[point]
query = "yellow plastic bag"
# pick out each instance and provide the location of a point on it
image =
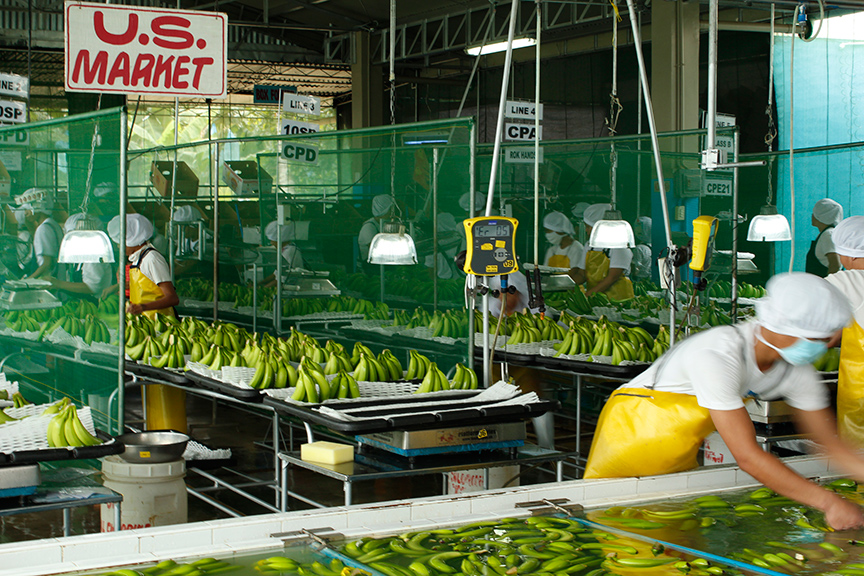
(647, 432)
(850, 386)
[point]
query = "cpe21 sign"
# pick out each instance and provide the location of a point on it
(134, 50)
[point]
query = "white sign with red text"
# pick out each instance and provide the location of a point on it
(134, 50)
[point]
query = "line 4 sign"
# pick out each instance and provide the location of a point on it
(135, 50)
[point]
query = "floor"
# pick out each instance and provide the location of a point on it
(246, 436)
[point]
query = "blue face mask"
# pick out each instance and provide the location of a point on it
(801, 352)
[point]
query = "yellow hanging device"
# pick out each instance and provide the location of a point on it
(704, 234)
(490, 245)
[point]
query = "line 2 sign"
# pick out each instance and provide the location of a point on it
(135, 50)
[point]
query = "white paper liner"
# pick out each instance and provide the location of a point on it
(367, 390)
(425, 333)
(250, 311)
(190, 303)
(344, 315)
(31, 433)
(372, 325)
(550, 352)
(528, 348)
(26, 335)
(195, 451)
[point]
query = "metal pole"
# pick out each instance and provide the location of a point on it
(173, 187)
(486, 366)
(502, 102)
(655, 144)
(215, 185)
(121, 281)
(734, 311)
(537, 143)
(712, 75)
(471, 183)
(277, 313)
(434, 229)
(254, 297)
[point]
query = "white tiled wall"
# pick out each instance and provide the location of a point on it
(236, 535)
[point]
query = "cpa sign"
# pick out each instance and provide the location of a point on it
(300, 153)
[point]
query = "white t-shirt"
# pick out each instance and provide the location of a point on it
(292, 256)
(851, 283)
(46, 240)
(718, 366)
(618, 258)
(825, 246)
(573, 253)
(97, 276)
(516, 279)
(153, 265)
(364, 239)
(642, 261)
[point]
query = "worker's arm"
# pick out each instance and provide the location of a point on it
(45, 268)
(169, 298)
(578, 275)
(833, 262)
(76, 287)
(607, 282)
(110, 290)
(737, 431)
(821, 427)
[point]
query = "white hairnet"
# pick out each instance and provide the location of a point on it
(187, 214)
(594, 213)
(848, 237)
(21, 213)
(643, 229)
(104, 189)
(381, 205)
(447, 224)
(272, 231)
(72, 220)
(558, 222)
(479, 202)
(138, 229)
(579, 210)
(828, 211)
(803, 305)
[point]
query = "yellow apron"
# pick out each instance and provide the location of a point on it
(597, 268)
(850, 385)
(644, 432)
(166, 405)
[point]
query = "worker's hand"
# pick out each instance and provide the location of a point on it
(50, 279)
(841, 514)
(108, 291)
(590, 291)
(134, 308)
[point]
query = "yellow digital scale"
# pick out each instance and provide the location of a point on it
(490, 245)
(704, 234)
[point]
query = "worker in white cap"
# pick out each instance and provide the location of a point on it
(642, 257)
(564, 250)
(451, 241)
(151, 292)
(822, 259)
(188, 241)
(578, 212)
(382, 207)
(603, 270)
(848, 240)
(656, 423)
(290, 253)
(479, 203)
(21, 259)
(89, 277)
(47, 236)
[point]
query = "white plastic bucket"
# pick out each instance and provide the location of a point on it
(153, 494)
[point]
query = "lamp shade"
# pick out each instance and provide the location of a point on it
(769, 226)
(392, 246)
(494, 47)
(85, 246)
(612, 232)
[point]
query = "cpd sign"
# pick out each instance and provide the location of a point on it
(300, 153)
(135, 50)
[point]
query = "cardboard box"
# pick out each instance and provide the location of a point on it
(161, 175)
(243, 177)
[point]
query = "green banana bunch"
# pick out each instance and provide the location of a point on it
(828, 362)
(66, 429)
(4, 417)
(622, 350)
(551, 330)
(391, 365)
(359, 349)
(345, 386)
(418, 365)
(434, 381)
(333, 365)
(306, 390)
(108, 305)
(369, 369)
(95, 330)
(56, 407)
(464, 379)
(173, 357)
(577, 340)
(24, 323)
(602, 341)
(314, 352)
(18, 401)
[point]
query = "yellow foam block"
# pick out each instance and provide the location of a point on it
(326, 452)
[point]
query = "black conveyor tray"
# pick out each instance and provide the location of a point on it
(245, 394)
(421, 418)
(591, 368)
(158, 373)
(107, 448)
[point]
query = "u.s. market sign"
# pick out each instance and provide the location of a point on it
(134, 50)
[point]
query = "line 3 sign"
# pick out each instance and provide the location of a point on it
(134, 50)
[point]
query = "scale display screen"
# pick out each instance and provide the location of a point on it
(490, 245)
